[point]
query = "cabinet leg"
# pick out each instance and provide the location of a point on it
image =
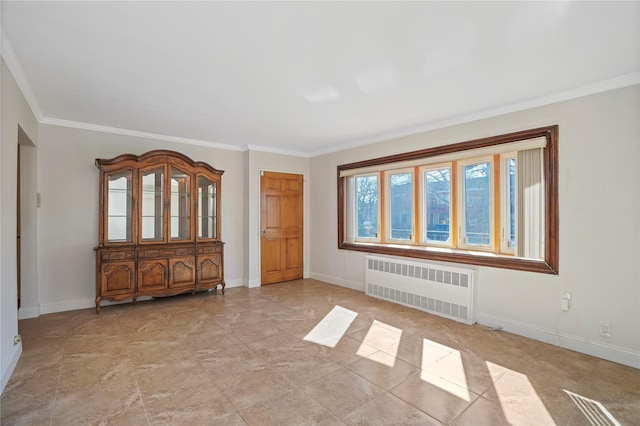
(97, 305)
(135, 300)
(223, 284)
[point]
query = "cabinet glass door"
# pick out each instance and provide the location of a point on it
(180, 205)
(152, 204)
(119, 202)
(207, 199)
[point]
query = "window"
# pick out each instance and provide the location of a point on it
(508, 228)
(400, 205)
(367, 209)
(436, 205)
(490, 202)
(477, 204)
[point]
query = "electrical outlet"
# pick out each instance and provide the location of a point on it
(565, 297)
(17, 339)
(605, 329)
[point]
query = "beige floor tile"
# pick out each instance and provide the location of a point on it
(135, 416)
(467, 370)
(29, 399)
(106, 345)
(383, 369)
(92, 404)
(130, 324)
(342, 392)
(80, 371)
(438, 398)
(194, 401)
(347, 351)
(163, 379)
(252, 386)
(388, 410)
(306, 367)
(484, 412)
(291, 408)
(98, 326)
(248, 333)
(232, 420)
(228, 360)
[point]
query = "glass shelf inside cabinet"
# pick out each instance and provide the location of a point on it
(152, 204)
(207, 199)
(119, 201)
(180, 205)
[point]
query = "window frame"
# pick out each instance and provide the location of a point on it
(550, 264)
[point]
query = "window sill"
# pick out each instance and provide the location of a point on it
(453, 255)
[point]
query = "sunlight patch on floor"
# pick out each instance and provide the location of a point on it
(519, 400)
(442, 367)
(332, 327)
(382, 337)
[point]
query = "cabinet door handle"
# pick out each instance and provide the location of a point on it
(264, 231)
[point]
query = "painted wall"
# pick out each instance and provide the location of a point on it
(68, 216)
(14, 112)
(255, 162)
(599, 160)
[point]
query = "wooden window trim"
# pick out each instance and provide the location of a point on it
(550, 264)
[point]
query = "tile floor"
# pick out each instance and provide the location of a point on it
(264, 356)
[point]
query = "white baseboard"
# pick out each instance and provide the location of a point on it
(252, 283)
(602, 350)
(11, 366)
(28, 312)
(67, 305)
(72, 305)
(354, 285)
(233, 283)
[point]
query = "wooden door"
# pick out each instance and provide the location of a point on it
(281, 227)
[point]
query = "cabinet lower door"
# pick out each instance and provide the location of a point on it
(152, 274)
(182, 272)
(117, 278)
(209, 268)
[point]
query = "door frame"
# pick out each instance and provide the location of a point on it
(29, 206)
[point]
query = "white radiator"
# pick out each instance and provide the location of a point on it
(441, 290)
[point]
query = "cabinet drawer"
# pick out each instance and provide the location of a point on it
(165, 252)
(117, 255)
(209, 249)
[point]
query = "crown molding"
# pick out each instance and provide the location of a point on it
(262, 148)
(590, 89)
(136, 133)
(10, 58)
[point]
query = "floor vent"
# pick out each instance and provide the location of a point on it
(437, 289)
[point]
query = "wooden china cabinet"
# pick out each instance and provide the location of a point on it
(159, 227)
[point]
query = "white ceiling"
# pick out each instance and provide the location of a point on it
(309, 77)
